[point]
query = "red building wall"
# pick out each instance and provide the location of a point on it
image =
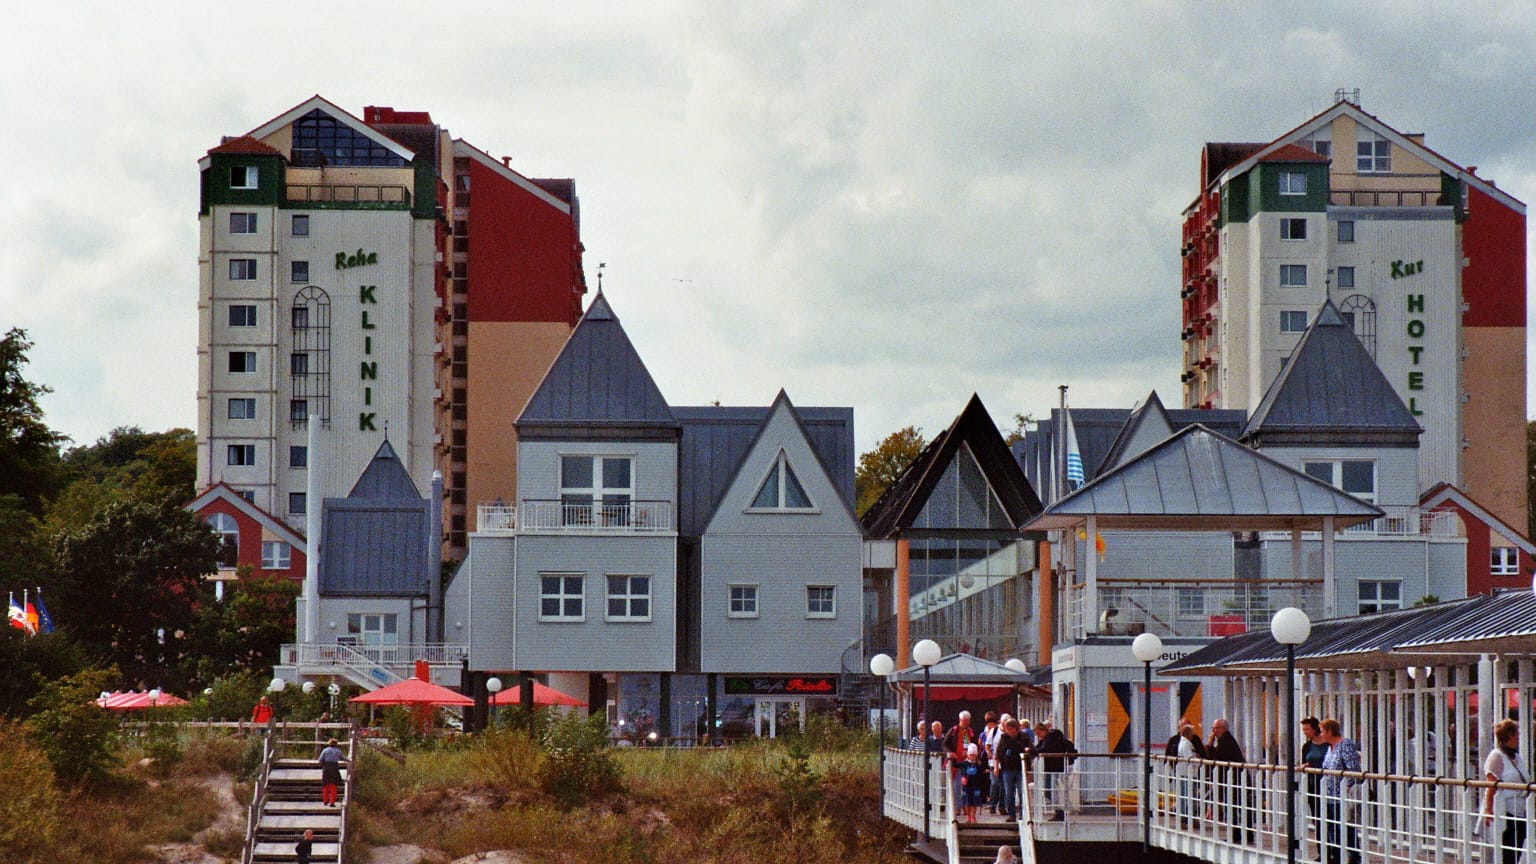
(1493, 282)
(527, 269)
(250, 543)
(1480, 578)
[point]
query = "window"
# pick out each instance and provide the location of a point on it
(248, 494)
(1355, 476)
(1346, 277)
(275, 555)
(1322, 148)
(1380, 596)
(300, 225)
(561, 597)
(301, 317)
(1293, 183)
(298, 457)
(228, 530)
(743, 601)
(240, 454)
(298, 410)
(1293, 275)
(244, 177)
(299, 271)
(1293, 229)
(1506, 561)
(1191, 602)
(1346, 230)
(242, 223)
(242, 315)
(629, 598)
(781, 489)
(241, 362)
(298, 363)
(242, 408)
(1292, 321)
(242, 269)
(296, 503)
(596, 490)
(821, 601)
(373, 629)
(1373, 153)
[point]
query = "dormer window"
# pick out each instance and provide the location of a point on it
(1373, 154)
(244, 177)
(781, 489)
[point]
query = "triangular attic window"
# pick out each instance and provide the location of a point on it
(781, 489)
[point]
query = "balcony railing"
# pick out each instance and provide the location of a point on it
(369, 665)
(628, 517)
(1191, 607)
(1386, 198)
(1398, 521)
(496, 518)
(346, 194)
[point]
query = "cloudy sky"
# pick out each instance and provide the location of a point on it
(883, 205)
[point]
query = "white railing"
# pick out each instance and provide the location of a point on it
(370, 665)
(1092, 797)
(495, 518)
(904, 771)
(1409, 522)
(1201, 608)
(630, 517)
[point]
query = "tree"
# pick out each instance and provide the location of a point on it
(242, 633)
(127, 583)
(78, 737)
(882, 466)
(1021, 422)
(127, 463)
(29, 450)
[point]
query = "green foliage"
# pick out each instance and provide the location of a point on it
(29, 454)
(799, 784)
(127, 584)
(29, 803)
(882, 466)
(231, 698)
(150, 466)
(28, 661)
(162, 744)
(78, 736)
(244, 632)
(578, 764)
(511, 759)
(1427, 600)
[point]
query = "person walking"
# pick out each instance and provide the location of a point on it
(973, 782)
(1229, 781)
(331, 760)
(1009, 768)
(1055, 756)
(990, 732)
(1343, 755)
(305, 847)
(1313, 752)
(956, 740)
(261, 712)
(1005, 856)
(1503, 766)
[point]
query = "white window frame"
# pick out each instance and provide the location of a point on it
(1288, 226)
(276, 555)
(246, 313)
(242, 269)
(242, 222)
(244, 177)
(598, 503)
(248, 363)
(1293, 183)
(780, 469)
(1373, 153)
(246, 408)
(563, 595)
(743, 604)
(1336, 471)
(814, 598)
(1190, 610)
(373, 629)
(240, 455)
(628, 596)
(1288, 319)
(228, 529)
(1377, 603)
(1288, 271)
(1504, 561)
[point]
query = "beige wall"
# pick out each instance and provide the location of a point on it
(507, 362)
(1494, 463)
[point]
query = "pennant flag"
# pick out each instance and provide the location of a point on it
(1098, 541)
(1075, 475)
(44, 620)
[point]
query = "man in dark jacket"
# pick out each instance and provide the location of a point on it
(1055, 755)
(1234, 803)
(1009, 766)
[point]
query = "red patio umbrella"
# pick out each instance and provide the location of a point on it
(131, 700)
(413, 691)
(542, 695)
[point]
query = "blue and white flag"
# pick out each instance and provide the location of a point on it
(44, 620)
(1075, 475)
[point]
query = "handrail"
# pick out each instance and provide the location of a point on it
(346, 800)
(258, 797)
(952, 829)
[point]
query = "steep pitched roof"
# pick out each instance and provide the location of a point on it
(375, 541)
(1148, 425)
(1097, 431)
(385, 477)
(246, 144)
(715, 442)
(1292, 153)
(1199, 480)
(222, 491)
(536, 188)
(337, 113)
(1332, 389)
(1445, 495)
(902, 502)
(597, 382)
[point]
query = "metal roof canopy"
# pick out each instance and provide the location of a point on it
(962, 670)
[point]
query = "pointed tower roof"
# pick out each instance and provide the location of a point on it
(598, 384)
(385, 477)
(899, 507)
(375, 540)
(1147, 425)
(1331, 391)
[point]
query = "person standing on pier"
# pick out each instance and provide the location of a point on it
(1054, 756)
(1343, 755)
(1312, 755)
(1503, 766)
(1009, 766)
(1230, 781)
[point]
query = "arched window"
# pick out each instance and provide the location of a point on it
(1359, 312)
(309, 367)
(228, 530)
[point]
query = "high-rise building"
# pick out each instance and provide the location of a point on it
(1422, 257)
(348, 274)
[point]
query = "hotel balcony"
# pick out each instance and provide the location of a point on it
(331, 193)
(558, 517)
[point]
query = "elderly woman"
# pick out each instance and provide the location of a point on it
(1503, 766)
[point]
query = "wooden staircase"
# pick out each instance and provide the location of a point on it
(978, 842)
(288, 803)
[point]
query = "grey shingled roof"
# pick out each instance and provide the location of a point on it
(716, 440)
(374, 541)
(1199, 480)
(1331, 385)
(598, 380)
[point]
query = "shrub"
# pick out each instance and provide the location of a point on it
(578, 765)
(77, 735)
(162, 744)
(799, 784)
(29, 803)
(509, 759)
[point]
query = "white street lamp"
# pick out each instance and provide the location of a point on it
(1146, 648)
(493, 685)
(926, 653)
(881, 666)
(1016, 665)
(308, 688)
(277, 685)
(1290, 627)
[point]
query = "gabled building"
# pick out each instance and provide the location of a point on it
(249, 537)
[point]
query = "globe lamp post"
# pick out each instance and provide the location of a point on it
(493, 685)
(1290, 627)
(927, 653)
(1146, 648)
(881, 666)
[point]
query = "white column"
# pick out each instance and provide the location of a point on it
(1091, 578)
(310, 632)
(1330, 602)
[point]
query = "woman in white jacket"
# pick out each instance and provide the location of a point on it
(1503, 766)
